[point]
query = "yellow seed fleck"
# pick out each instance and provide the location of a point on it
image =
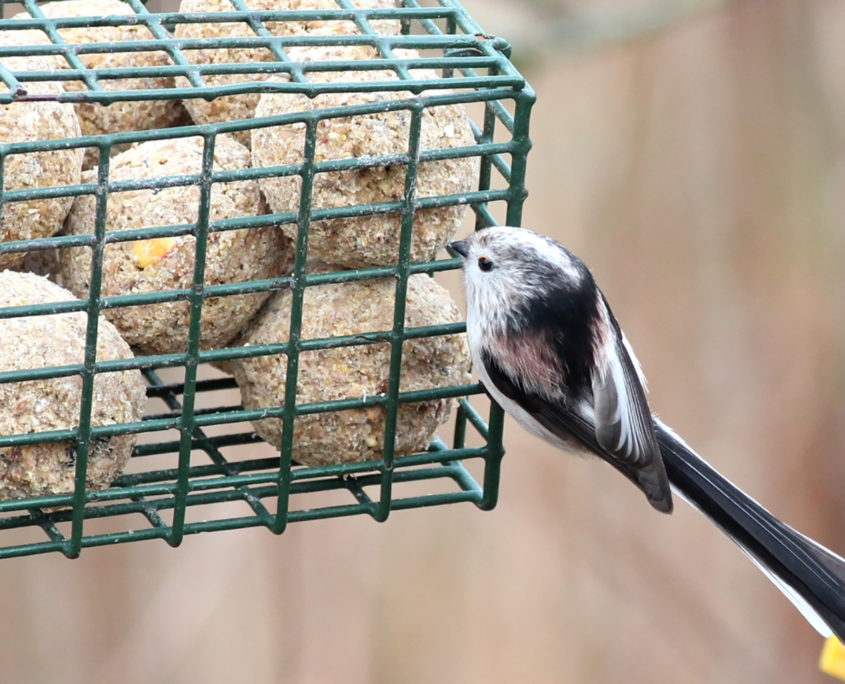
(147, 252)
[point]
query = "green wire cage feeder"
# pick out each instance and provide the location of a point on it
(296, 85)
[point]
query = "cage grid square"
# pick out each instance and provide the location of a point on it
(196, 447)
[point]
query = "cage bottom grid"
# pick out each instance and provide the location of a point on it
(226, 487)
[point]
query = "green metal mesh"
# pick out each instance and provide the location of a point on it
(191, 447)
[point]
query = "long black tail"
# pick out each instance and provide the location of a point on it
(810, 576)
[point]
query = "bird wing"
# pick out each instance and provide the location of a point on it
(623, 422)
(644, 468)
(624, 425)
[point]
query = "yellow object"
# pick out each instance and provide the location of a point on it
(149, 251)
(832, 659)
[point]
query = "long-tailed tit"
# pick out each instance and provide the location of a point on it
(548, 350)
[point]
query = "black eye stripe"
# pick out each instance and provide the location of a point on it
(485, 263)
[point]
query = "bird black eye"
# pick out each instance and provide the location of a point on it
(485, 263)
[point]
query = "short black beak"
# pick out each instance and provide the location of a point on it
(459, 246)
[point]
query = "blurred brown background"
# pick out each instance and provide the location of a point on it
(695, 161)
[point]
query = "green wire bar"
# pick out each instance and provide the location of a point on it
(197, 450)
